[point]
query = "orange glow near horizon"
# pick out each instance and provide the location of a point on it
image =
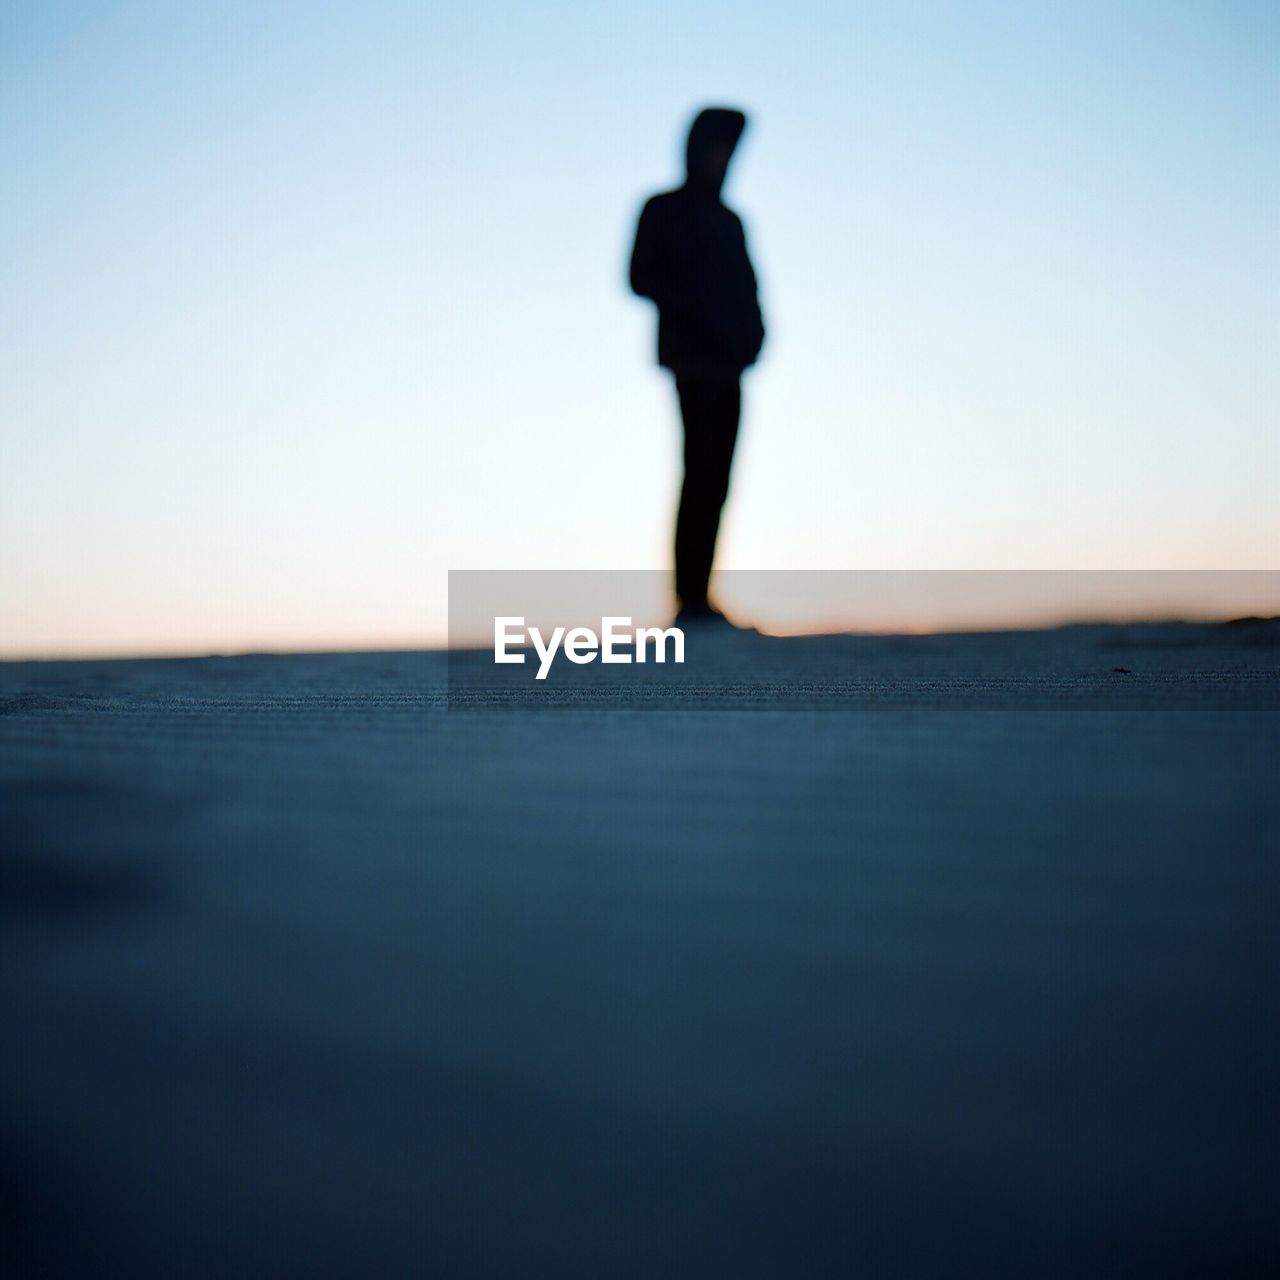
(776, 602)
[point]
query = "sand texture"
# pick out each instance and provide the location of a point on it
(947, 955)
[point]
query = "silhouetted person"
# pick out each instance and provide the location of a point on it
(690, 257)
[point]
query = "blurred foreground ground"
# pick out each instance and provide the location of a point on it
(953, 955)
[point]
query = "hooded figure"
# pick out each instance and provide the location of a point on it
(690, 257)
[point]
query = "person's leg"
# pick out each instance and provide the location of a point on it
(710, 411)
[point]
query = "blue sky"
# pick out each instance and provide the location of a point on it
(303, 306)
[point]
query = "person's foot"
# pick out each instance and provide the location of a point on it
(700, 613)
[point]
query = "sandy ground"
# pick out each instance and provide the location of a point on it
(819, 957)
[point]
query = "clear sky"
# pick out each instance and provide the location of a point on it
(303, 305)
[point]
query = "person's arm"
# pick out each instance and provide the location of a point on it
(753, 322)
(648, 256)
(759, 314)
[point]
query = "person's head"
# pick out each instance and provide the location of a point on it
(712, 138)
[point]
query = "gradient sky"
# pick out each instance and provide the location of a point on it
(303, 305)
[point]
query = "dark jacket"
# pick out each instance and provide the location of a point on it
(690, 257)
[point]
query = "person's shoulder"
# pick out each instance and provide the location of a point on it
(663, 200)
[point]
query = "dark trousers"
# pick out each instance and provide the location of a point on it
(710, 410)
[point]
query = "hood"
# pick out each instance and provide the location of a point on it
(711, 128)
